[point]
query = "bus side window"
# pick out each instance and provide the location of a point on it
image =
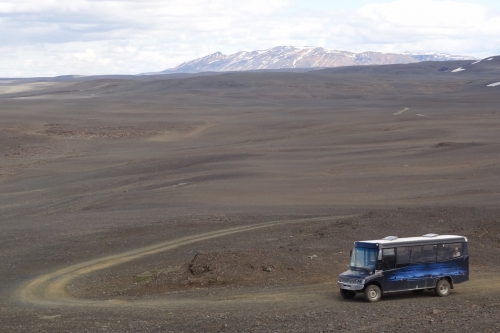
(443, 252)
(456, 250)
(402, 256)
(415, 253)
(428, 253)
(389, 258)
(450, 251)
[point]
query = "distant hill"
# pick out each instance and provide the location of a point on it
(300, 57)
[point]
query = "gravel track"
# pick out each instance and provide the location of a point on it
(49, 289)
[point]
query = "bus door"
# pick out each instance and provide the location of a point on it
(401, 277)
(389, 267)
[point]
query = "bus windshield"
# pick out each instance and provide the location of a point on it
(364, 258)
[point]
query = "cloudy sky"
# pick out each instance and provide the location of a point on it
(58, 37)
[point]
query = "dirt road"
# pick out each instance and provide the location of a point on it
(49, 289)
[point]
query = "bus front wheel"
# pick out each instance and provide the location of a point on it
(347, 294)
(372, 293)
(443, 288)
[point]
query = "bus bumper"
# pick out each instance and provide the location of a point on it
(350, 286)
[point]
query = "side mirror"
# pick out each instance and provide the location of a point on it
(379, 265)
(350, 253)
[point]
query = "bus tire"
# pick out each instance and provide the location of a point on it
(347, 294)
(443, 288)
(372, 293)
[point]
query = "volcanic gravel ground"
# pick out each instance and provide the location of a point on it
(229, 202)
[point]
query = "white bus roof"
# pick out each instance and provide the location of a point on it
(429, 238)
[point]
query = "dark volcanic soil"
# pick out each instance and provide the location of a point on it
(307, 253)
(98, 167)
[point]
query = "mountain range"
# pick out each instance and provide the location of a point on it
(282, 57)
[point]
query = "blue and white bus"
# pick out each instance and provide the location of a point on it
(392, 264)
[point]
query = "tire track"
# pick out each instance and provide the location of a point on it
(399, 112)
(50, 289)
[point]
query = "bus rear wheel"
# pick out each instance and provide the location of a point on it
(443, 288)
(347, 294)
(373, 293)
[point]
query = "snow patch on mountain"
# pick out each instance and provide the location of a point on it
(301, 57)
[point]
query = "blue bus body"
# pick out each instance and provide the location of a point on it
(399, 264)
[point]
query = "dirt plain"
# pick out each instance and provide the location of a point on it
(229, 202)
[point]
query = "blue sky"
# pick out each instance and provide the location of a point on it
(58, 37)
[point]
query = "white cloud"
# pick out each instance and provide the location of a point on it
(417, 26)
(425, 14)
(101, 37)
(30, 6)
